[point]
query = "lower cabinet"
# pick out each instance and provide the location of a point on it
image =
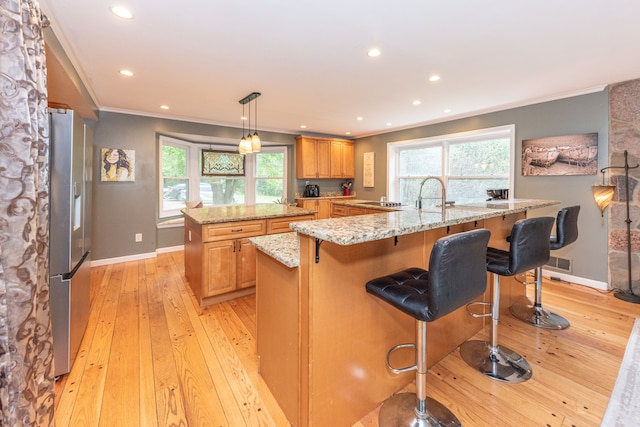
(321, 206)
(228, 265)
(220, 263)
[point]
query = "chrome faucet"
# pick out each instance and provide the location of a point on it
(443, 193)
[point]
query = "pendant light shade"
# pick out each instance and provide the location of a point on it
(250, 143)
(603, 194)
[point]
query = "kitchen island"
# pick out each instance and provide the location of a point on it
(322, 340)
(219, 261)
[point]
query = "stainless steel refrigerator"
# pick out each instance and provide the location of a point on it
(71, 148)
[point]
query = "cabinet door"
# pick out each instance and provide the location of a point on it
(218, 267)
(348, 160)
(323, 153)
(336, 159)
(324, 209)
(306, 158)
(246, 263)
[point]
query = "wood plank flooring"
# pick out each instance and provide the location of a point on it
(151, 357)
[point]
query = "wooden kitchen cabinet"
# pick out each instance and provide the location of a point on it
(220, 262)
(313, 157)
(342, 159)
(322, 206)
(228, 265)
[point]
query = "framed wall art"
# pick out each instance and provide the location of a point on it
(222, 163)
(561, 155)
(117, 165)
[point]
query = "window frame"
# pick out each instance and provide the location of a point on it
(194, 171)
(446, 141)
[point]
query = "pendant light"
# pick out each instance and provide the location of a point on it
(250, 144)
(245, 146)
(256, 143)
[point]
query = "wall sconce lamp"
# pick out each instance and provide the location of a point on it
(603, 194)
(250, 144)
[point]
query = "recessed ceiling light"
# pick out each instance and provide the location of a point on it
(164, 107)
(347, 133)
(122, 12)
(417, 102)
(389, 123)
(434, 78)
(127, 73)
(303, 126)
(359, 118)
(447, 110)
(373, 53)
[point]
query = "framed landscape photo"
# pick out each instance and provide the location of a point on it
(561, 155)
(222, 163)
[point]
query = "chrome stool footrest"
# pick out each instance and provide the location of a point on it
(400, 370)
(475, 303)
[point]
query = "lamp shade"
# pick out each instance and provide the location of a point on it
(603, 194)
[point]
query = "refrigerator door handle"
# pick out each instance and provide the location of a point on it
(69, 275)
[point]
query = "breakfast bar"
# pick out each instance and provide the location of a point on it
(322, 340)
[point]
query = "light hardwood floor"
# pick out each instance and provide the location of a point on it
(151, 357)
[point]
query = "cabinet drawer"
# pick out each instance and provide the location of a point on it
(338, 210)
(357, 211)
(281, 225)
(233, 230)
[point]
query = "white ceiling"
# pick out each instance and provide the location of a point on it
(309, 58)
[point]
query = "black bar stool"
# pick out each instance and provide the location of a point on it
(529, 248)
(566, 233)
(456, 275)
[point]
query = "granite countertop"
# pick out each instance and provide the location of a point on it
(283, 247)
(211, 215)
(406, 220)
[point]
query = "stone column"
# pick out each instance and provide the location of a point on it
(624, 134)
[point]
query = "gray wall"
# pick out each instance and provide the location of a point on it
(576, 115)
(122, 209)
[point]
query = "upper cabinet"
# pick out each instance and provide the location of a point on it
(342, 159)
(324, 158)
(313, 157)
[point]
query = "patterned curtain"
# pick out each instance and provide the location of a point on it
(26, 356)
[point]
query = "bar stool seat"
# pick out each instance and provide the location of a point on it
(456, 275)
(529, 248)
(536, 315)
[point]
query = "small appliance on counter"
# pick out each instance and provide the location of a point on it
(501, 194)
(311, 190)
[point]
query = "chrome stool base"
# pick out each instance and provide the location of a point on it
(503, 365)
(537, 316)
(400, 411)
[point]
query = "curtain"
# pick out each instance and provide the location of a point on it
(26, 354)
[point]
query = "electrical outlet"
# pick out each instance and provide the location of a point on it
(138, 237)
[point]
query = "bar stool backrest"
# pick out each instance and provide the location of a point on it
(566, 227)
(457, 272)
(529, 244)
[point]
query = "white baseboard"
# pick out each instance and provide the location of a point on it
(170, 249)
(604, 286)
(137, 257)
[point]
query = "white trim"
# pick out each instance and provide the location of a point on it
(137, 257)
(116, 260)
(170, 249)
(171, 223)
(603, 286)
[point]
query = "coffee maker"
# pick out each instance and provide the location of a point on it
(311, 190)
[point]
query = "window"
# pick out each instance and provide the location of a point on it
(181, 180)
(468, 163)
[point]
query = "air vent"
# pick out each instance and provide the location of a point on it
(559, 263)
